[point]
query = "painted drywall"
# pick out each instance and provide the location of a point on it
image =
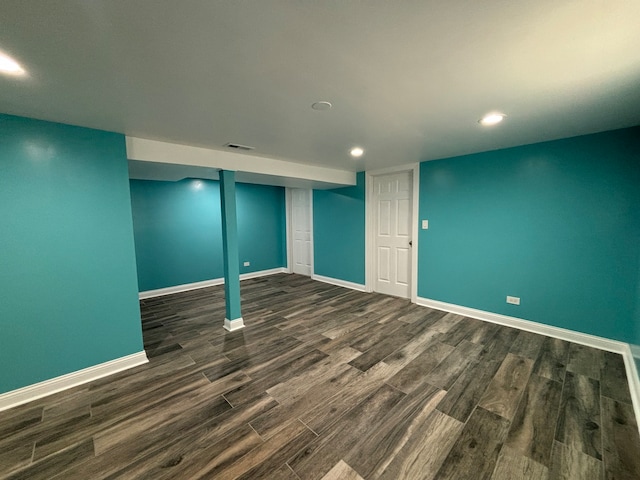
(339, 232)
(555, 223)
(178, 230)
(262, 227)
(68, 293)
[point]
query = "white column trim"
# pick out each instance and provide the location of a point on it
(233, 325)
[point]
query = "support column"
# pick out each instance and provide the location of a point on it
(233, 318)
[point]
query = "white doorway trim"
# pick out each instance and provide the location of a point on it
(289, 229)
(289, 239)
(370, 262)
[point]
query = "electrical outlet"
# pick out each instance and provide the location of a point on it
(246, 264)
(513, 300)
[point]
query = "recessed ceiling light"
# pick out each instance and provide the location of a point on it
(9, 66)
(321, 106)
(357, 152)
(491, 119)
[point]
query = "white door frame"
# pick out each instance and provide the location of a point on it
(289, 228)
(370, 257)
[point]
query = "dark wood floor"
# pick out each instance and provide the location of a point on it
(328, 383)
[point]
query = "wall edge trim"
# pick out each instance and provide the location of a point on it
(262, 273)
(626, 350)
(632, 351)
(185, 287)
(45, 388)
(340, 283)
(528, 325)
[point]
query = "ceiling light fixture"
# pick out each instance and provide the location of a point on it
(322, 106)
(357, 152)
(9, 66)
(491, 119)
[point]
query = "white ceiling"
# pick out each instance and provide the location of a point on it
(408, 79)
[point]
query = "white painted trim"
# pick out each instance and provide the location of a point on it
(262, 273)
(369, 233)
(391, 170)
(290, 226)
(313, 248)
(233, 325)
(206, 283)
(627, 351)
(289, 235)
(370, 260)
(338, 282)
(73, 379)
(180, 288)
(415, 215)
(631, 352)
(144, 150)
(528, 325)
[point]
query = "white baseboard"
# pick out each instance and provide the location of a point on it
(180, 288)
(233, 325)
(73, 379)
(535, 327)
(633, 351)
(338, 282)
(261, 273)
(627, 351)
(206, 283)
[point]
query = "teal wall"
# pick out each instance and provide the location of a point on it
(178, 230)
(262, 226)
(338, 232)
(555, 223)
(68, 293)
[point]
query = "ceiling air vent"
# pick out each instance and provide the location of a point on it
(237, 146)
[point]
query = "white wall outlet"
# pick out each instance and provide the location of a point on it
(246, 264)
(425, 224)
(513, 300)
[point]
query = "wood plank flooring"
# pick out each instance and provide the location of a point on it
(327, 383)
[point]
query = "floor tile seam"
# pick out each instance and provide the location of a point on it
(569, 447)
(517, 407)
(604, 453)
(600, 411)
(292, 470)
(614, 399)
(17, 468)
(307, 426)
(66, 448)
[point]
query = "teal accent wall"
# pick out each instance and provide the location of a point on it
(339, 232)
(262, 227)
(68, 293)
(555, 223)
(178, 233)
(178, 230)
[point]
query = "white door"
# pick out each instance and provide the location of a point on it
(301, 231)
(392, 227)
